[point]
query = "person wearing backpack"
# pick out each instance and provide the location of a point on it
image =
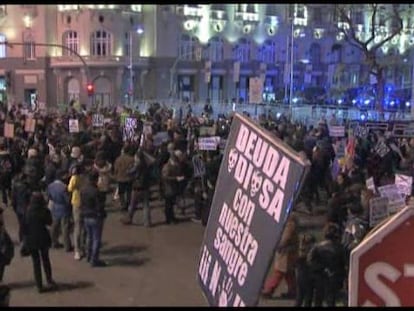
(6, 171)
(356, 228)
(327, 266)
(6, 247)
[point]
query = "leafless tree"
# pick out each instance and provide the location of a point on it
(383, 22)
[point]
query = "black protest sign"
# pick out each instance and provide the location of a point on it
(258, 181)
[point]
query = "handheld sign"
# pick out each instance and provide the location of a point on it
(73, 126)
(208, 143)
(378, 210)
(258, 181)
(98, 120)
(29, 125)
(9, 130)
(404, 183)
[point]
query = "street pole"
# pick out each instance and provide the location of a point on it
(131, 83)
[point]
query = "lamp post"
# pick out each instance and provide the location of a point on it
(139, 31)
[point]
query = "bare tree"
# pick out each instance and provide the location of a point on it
(383, 23)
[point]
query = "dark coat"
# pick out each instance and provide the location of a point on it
(37, 236)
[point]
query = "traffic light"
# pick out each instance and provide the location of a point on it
(90, 89)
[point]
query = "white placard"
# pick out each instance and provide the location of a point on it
(396, 200)
(337, 131)
(208, 143)
(73, 126)
(404, 183)
(98, 120)
(370, 184)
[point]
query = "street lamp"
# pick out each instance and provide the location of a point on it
(139, 31)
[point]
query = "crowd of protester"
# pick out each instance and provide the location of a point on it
(65, 181)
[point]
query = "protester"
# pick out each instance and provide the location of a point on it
(6, 247)
(122, 165)
(285, 260)
(6, 172)
(93, 214)
(61, 211)
(20, 197)
(38, 240)
(75, 184)
(327, 260)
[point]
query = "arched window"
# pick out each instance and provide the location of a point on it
(187, 47)
(2, 46)
(241, 52)
(29, 50)
(101, 43)
(315, 53)
(70, 40)
(267, 52)
(216, 49)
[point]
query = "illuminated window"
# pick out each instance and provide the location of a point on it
(241, 52)
(29, 49)
(187, 47)
(101, 43)
(70, 40)
(2, 46)
(136, 7)
(267, 52)
(216, 49)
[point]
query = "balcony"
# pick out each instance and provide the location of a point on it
(96, 61)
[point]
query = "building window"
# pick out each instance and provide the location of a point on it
(267, 52)
(101, 43)
(241, 52)
(70, 40)
(2, 46)
(216, 49)
(29, 49)
(187, 47)
(315, 53)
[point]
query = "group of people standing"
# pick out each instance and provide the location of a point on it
(58, 183)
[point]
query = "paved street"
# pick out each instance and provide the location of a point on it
(146, 267)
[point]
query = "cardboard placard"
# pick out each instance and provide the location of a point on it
(30, 125)
(260, 185)
(9, 130)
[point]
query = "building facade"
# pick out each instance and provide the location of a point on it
(133, 53)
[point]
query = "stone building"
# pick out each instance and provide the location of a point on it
(180, 52)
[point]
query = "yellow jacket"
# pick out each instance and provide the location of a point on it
(74, 188)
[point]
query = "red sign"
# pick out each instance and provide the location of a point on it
(382, 266)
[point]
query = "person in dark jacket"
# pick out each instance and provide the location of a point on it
(6, 247)
(6, 171)
(20, 196)
(93, 213)
(140, 189)
(306, 242)
(38, 240)
(170, 178)
(327, 262)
